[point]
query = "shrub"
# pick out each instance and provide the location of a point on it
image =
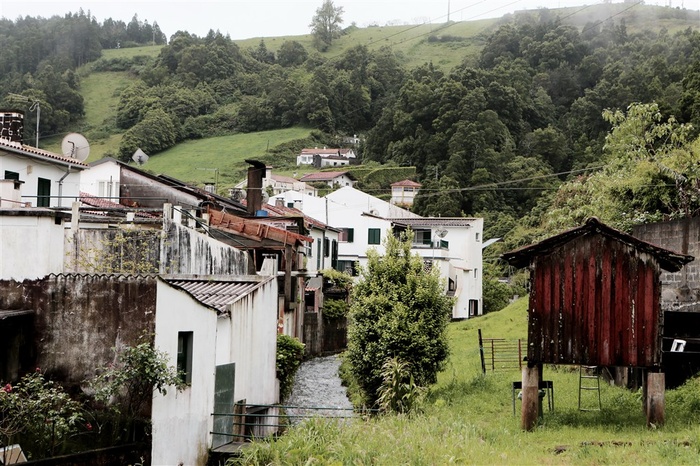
(130, 382)
(290, 353)
(335, 308)
(39, 413)
(398, 310)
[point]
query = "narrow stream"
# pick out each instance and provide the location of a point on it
(317, 384)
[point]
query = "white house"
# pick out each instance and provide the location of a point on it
(364, 221)
(213, 328)
(39, 178)
(404, 192)
(281, 183)
(332, 179)
(309, 156)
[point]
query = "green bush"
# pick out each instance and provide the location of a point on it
(335, 308)
(290, 353)
(398, 310)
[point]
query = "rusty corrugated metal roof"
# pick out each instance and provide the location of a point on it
(213, 293)
(668, 260)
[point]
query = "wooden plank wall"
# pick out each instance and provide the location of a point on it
(595, 301)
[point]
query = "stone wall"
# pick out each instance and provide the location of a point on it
(680, 291)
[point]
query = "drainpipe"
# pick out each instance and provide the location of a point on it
(60, 187)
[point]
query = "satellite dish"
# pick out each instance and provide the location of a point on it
(75, 146)
(139, 157)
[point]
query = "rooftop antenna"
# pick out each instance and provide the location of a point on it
(34, 106)
(75, 146)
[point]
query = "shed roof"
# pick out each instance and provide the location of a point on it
(217, 293)
(668, 260)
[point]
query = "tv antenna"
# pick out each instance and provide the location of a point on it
(75, 146)
(139, 157)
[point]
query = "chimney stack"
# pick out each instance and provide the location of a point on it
(254, 193)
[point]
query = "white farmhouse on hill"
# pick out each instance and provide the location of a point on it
(454, 245)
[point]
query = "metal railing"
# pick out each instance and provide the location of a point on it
(254, 421)
(500, 354)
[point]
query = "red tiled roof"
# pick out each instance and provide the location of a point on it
(322, 176)
(407, 183)
(33, 151)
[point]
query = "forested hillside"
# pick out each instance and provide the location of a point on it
(494, 136)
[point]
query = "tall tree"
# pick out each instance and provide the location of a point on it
(325, 25)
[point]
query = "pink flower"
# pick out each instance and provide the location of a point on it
(7, 388)
(38, 369)
(89, 426)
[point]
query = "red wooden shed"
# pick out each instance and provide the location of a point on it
(594, 297)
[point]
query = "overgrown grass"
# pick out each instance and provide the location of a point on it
(468, 418)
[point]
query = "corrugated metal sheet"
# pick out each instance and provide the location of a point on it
(215, 294)
(594, 298)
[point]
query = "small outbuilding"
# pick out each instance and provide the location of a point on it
(594, 301)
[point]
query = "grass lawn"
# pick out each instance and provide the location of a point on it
(468, 419)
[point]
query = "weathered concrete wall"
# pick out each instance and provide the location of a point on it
(187, 251)
(680, 291)
(324, 336)
(79, 319)
(180, 250)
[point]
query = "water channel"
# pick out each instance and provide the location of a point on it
(317, 384)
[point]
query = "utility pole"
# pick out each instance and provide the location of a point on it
(448, 11)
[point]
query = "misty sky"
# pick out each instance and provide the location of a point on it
(243, 19)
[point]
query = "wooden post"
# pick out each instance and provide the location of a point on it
(531, 398)
(239, 428)
(655, 398)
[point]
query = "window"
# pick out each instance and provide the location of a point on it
(478, 237)
(347, 235)
(374, 236)
(326, 247)
(319, 254)
(334, 254)
(476, 273)
(11, 175)
(349, 267)
(43, 193)
(422, 237)
(184, 356)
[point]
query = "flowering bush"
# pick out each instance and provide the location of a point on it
(39, 412)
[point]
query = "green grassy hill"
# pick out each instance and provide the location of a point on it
(445, 45)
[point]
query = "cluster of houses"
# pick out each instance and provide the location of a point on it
(95, 256)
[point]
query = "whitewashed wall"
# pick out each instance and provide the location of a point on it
(31, 169)
(102, 179)
(182, 420)
(249, 339)
(31, 245)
